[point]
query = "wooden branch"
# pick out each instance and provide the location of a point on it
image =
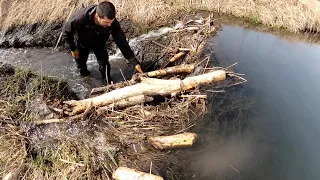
(48, 121)
(172, 70)
(198, 96)
(177, 56)
(124, 173)
(174, 141)
(148, 87)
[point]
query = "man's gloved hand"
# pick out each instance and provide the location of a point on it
(75, 54)
(138, 68)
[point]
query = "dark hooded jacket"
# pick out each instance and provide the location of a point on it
(81, 31)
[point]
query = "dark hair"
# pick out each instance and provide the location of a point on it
(106, 9)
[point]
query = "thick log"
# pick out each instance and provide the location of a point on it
(174, 141)
(131, 101)
(148, 87)
(172, 70)
(124, 173)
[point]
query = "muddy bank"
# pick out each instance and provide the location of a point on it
(45, 34)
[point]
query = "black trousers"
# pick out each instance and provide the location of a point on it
(101, 54)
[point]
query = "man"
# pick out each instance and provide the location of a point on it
(89, 29)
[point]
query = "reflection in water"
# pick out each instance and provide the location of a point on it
(282, 80)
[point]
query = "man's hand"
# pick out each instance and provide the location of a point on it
(138, 68)
(75, 54)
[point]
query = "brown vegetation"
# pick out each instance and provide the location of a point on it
(294, 15)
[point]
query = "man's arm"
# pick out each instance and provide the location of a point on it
(121, 41)
(72, 25)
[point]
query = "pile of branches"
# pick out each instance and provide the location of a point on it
(143, 116)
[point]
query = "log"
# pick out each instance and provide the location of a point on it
(172, 70)
(131, 101)
(177, 56)
(124, 173)
(174, 141)
(103, 89)
(148, 87)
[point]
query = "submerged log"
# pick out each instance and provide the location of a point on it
(124, 173)
(174, 141)
(172, 70)
(148, 87)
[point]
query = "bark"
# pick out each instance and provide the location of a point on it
(172, 70)
(123, 173)
(174, 141)
(148, 87)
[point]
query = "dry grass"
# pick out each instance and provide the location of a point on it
(294, 15)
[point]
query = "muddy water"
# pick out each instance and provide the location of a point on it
(283, 141)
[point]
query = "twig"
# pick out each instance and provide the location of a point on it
(123, 75)
(221, 91)
(69, 162)
(48, 121)
(161, 45)
(87, 111)
(198, 96)
(234, 168)
(150, 167)
(231, 65)
(55, 48)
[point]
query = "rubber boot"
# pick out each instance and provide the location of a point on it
(105, 76)
(82, 67)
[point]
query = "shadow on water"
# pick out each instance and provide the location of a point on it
(281, 139)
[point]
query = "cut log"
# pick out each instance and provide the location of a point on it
(124, 173)
(172, 70)
(174, 141)
(103, 89)
(148, 87)
(177, 56)
(131, 101)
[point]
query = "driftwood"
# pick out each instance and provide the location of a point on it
(174, 141)
(124, 173)
(172, 70)
(148, 87)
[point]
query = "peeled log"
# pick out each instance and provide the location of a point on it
(174, 141)
(148, 87)
(123, 173)
(131, 101)
(177, 56)
(172, 70)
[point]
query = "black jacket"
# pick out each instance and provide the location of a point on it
(81, 30)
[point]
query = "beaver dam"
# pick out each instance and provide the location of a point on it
(141, 128)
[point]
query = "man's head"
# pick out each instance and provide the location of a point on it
(105, 14)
